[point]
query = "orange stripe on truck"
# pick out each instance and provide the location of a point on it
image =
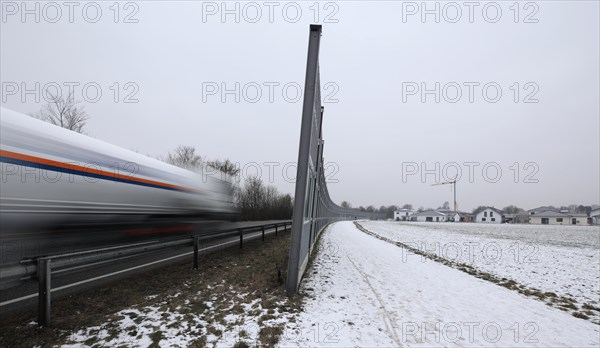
(95, 172)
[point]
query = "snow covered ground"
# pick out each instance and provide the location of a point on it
(564, 260)
(186, 325)
(363, 291)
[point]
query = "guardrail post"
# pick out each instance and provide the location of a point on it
(276, 225)
(263, 233)
(196, 245)
(44, 291)
(241, 238)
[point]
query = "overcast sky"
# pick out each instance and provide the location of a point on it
(381, 131)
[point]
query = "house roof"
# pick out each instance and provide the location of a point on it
(494, 209)
(551, 213)
(445, 211)
(429, 213)
(544, 208)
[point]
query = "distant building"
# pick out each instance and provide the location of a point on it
(595, 216)
(510, 217)
(549, 217)
(554, 217)
(490, 215)
(521, 218)
(403, 214)
(429, 216)
(463, 217)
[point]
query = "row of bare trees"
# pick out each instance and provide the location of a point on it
(254, 199)
(387, 210)
(257, 201)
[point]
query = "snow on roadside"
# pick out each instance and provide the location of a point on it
(361, 293)
(564, 260)
(191, 322)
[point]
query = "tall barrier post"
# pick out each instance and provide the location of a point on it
(301, 220)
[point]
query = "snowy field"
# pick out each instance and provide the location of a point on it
(363, 291)
(564, 260)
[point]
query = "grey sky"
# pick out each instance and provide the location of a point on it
(372, 136)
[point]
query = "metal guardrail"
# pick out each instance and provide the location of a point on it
(313, 207)
(42, 267)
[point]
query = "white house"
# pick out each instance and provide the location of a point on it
(490, 215)
(403, 214)
(429, 216)
(549, 217)
(595, 216)
(552, 217)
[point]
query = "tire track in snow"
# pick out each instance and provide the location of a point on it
(387, 316)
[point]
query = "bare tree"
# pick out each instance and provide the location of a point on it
(252, 199)
(226, 166)
(389, 211)
(259, 202)
(231, 173)
(512, 209)
(64, 113)
(184, 157)
(284, 207)
(346, 204)
(583, 209)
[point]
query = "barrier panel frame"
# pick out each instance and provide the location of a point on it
(313, 208)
